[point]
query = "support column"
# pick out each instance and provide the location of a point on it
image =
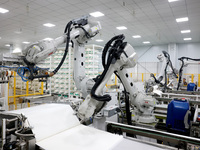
(11, 48)
(172, 50)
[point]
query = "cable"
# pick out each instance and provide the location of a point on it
(86, 33)
(181, 69)
(31, 66)
(23, 135)
(112, 56)
(169, 62)
(67, 31)
(98, 82)
(38, 68)
(107, 46)
(180, 74)
(22, 72)
(8, 67)
(127, 104)
(188, 58)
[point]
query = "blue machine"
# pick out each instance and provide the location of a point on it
(176, 112)
(191, 87)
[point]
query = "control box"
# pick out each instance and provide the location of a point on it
(110, 111)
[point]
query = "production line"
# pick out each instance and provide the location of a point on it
(163, 115)
(39, 131)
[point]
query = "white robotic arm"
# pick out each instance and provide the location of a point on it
(154, 83)
(39, 51)
(184, 63)
(80, 31)
(120, 56)
(163, 60)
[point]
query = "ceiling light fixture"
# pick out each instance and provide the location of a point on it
(136, 36)
(18, 32)
(99, 40)
(182, 19)
(187, 39)
(97, 14)
(48, 39)
(26, 42)
(146, 42)
(49, 25)
(172, 0)
(121, 28)
(185, 31)
(3, 11)
(8, 45)
(17, 50)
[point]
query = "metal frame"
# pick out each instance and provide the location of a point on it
(27, 92)
(181, 140)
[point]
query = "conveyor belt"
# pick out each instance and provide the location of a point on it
(160, 135)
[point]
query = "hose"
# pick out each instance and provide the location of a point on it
(180, 74)
(23, 135)
(181, 69)
(67, 31)
(111, 57)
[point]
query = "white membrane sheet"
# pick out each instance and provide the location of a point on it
(49, 119)
(56, 128)
(81, 138)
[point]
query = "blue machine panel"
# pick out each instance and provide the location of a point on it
(191, 87)
(175, 115)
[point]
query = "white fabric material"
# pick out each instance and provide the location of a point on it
(56, 128)
(127, 144)
(81, 138)
(49, 119)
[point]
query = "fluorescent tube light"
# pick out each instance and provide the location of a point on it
(49, 25)
(3, 11)
(121, 28)
(99, 40)
(97, 14)
(48, 39)
(187, 39)
(185, 31)
(136, 36)
(17, 50)
(26, 42)
(146, 42)
(182, 19)
(172, 0)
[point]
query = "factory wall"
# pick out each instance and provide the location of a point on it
(148, 57)
(149, 53)
(189, 50)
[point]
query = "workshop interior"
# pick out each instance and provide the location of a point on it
(99, 74)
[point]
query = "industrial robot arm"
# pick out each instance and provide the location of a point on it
(184, 63)
(164, 58)
(116, 58)
(80, 30)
